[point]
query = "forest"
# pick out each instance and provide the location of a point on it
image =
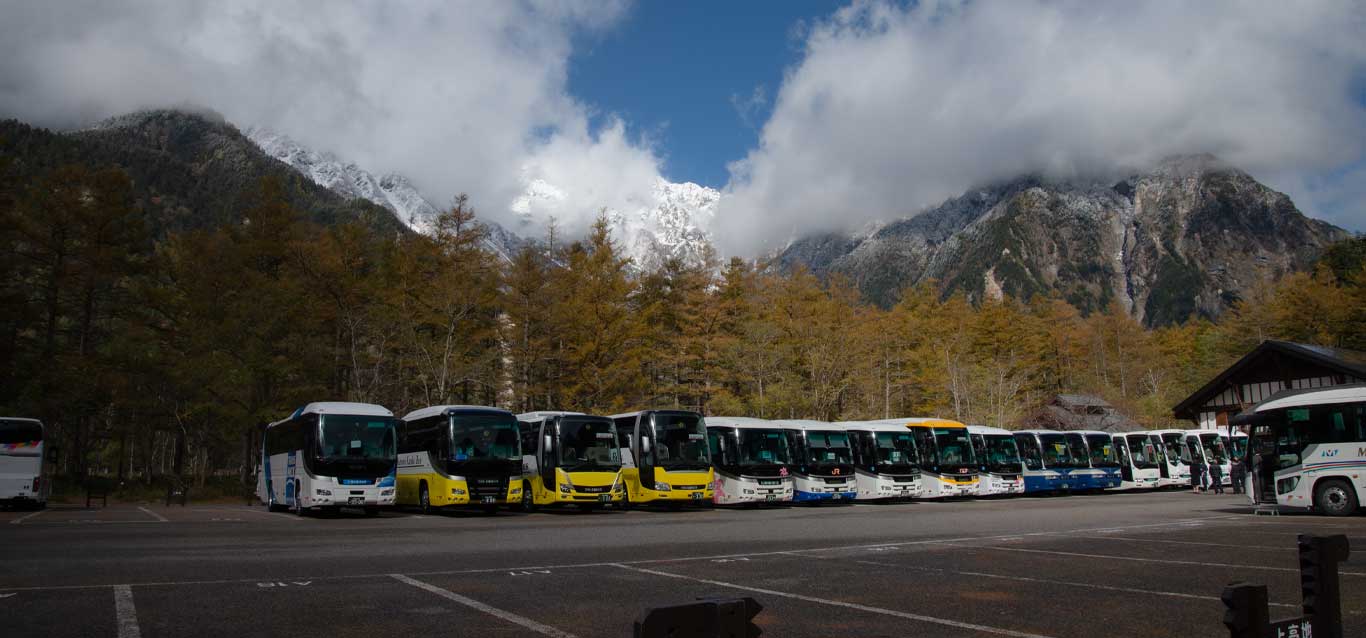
(151, 353)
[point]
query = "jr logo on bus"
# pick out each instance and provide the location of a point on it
(1330, 452)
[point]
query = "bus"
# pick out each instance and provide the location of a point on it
(1308, 449)
(823, 461)
(1207, 446)
(330, 455)
(949, 468)
(751, 459)
(1101, 470)
(1176, 471)
(22, 483)
(998, 461)
(1139, 461)
(1049, 458)
(569, 458)
(886, 460)
(459, 456)
(664, 457)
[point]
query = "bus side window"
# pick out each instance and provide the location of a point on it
(626, 426)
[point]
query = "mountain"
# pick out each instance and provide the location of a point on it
(189, 170)
(1184, 239)
(392, 191)
(672, 221)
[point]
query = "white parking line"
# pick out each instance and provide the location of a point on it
(1025, 579)
(26, 517)
(160, 518)
(1280, 548)
(249, 510)
(839, 603)
(544, 630)
(126, 613)
(1140, 560)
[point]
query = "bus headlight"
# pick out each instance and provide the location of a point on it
(662, 487)
(516, 490)
(455, 491)
(566, 487)
(323, 492)
(389, 492)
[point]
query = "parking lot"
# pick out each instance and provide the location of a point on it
(1112, 565)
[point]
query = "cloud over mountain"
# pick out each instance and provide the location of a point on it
(894, 107)
(457, 98)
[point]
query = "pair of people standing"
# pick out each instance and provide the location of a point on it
(1203, 477)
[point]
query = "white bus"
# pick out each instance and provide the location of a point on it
(22, 483)
(1001, 471)
(1049, 458)
(1207, 446)
(823, 461)
(886, 460)
(330, 455)
(752, 461)
(1176, 468)
(1308, 449)
(1140, 461)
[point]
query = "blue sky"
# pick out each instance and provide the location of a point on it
(672, 69)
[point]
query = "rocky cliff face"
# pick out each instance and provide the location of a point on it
(1184, 239)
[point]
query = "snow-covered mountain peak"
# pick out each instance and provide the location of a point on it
(345, 178)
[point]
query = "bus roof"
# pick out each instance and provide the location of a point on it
(1091, 432)
(872, 426)
(807, 424)
(742, 422)
(1039, 431)
(1167, 431)
(921, 422)
(21, 418)
(541, 415)
(987, 429)
(1351, 393)
(437, 410)
(640, 412)
(344, 408)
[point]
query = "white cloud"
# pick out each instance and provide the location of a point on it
(894, 108)
(457, 96)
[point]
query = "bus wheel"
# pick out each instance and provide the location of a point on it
(1335, 497)
(424, 499)
(626, 503)
(299, 501)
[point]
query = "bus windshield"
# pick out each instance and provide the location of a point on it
(589, 445)
(1177, 452)
(1159, 454)
(1076, 448)
(484, 437)
(763, 447)
(955, 448)
(895, 448)
(20, 438)
(1056, 452)
(1142, 451)
(1102, 450)
(347, 438)
(1002, 454)
(1029, 450)
(680, 441)
(828, 447)
(1214, 448)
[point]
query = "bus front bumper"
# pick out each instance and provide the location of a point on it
(346, 496)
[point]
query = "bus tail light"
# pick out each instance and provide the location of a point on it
(37, 484)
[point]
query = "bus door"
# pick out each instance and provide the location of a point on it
(1126, 465)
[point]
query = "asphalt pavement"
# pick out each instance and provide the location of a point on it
(1131, 564)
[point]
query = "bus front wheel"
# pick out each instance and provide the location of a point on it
(1335, 497)
(424, 499)
(528, 499)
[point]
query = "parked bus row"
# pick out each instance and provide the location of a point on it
(1307, 449)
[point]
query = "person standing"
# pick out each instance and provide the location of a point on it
(1197, 473)
(1216, 477)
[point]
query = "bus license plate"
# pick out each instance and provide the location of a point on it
(489, 500)
(605, 498)
(771, 497)
(696, 496)
(356, 500)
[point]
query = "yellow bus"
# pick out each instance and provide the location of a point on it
(948, 466)
(569, 458)
(665, 458)
(459, 456)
